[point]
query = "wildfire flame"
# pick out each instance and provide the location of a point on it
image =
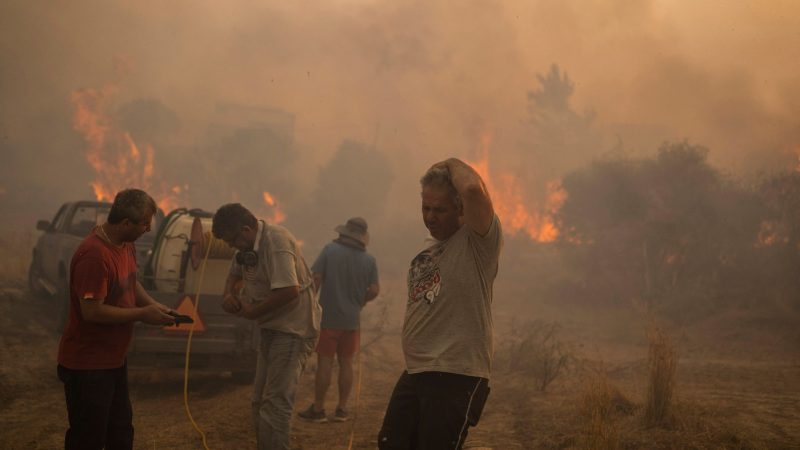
(113, 154)
(771, 233)
(275, 214)
(510, 203)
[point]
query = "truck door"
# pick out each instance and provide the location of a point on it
(81, 223)
(47, 251)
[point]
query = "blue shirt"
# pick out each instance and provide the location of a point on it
(346, 272)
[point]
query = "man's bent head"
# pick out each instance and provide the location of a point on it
(236, 225)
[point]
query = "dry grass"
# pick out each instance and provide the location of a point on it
(597, 406)
(698, 427)
(723, 401)
(606, 419)
(536, 350)
(662, 361)
(15, 255)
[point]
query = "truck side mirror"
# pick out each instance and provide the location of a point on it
(43, 225)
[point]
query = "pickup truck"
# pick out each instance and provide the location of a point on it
(171, 259)
(49, 270)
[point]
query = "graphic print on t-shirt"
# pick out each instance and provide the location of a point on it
(424, 279)
(249, 272)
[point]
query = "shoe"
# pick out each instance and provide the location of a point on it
(340, 415)
(313, 416)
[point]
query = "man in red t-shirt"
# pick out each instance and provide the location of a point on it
(105, 301)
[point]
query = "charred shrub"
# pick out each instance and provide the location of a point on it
(536, 350)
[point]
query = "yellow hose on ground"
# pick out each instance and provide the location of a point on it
(189, 347)
(358, 395)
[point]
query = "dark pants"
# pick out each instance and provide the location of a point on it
(432, 411)
(99, 409)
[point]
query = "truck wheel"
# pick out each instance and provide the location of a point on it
(33, 280)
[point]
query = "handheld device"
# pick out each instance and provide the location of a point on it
(180, 318)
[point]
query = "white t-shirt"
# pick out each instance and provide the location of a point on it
(448, 321)
(281, 264)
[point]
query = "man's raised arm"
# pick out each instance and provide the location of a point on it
(478, 209)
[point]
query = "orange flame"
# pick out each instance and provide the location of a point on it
(772, 233)
(510, 203)
(275, 214)
(113, 154)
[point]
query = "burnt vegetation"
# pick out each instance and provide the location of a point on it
(537, 350)
(664, 231)
(659, 250)
(675, 236)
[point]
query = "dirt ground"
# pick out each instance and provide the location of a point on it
(737, 385)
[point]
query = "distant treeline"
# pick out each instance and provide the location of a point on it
(675, 235)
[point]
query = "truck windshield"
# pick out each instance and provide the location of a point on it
(85, 218)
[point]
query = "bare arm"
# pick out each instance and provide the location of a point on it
(372, 291)
(478, 209)
(230, 285)
(318, 279)
(143, 298)
(275, 299)
(230, 301)
(95, 310)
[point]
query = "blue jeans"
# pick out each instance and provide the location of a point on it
(281, 360)
(99, 409)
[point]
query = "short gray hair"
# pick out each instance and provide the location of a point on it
(131, 204)
(440, 177)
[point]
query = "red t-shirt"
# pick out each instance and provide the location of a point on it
(102, 271)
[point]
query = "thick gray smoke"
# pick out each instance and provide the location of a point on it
(237, 98)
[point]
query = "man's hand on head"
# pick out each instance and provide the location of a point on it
(441, 165)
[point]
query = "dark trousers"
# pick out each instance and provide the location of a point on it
(99, 409)
(432, 411)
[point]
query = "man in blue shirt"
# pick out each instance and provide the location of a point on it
(348, 277)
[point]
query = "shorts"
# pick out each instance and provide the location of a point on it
(432, 411)
(338, 342)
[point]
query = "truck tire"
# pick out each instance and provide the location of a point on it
(34, 273)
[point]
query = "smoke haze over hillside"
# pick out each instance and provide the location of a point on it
(419, 81)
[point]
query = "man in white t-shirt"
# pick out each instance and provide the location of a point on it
(447, 332)
(279, 294)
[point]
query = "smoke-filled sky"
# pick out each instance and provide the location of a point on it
(421, 80)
